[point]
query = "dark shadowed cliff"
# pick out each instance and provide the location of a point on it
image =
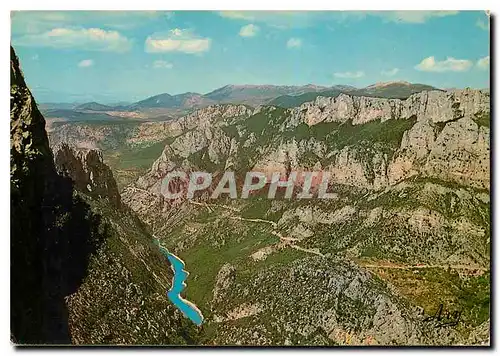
(84, 269)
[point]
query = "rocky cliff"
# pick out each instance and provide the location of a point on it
(435, 106)
(359, 141)
(130, 148)
(409, 219)
(45, 264)
(88, 172)
(84, 269)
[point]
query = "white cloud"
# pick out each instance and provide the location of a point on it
(86, 63)
(249, 30)
(279, 19)
(390, 73)
(162, 64)
(415, 17)
(34, 22)
(450, 64)
(484, 63)
(292, 19)
(350, 75)
(239, 15)
(294, 43)
(177, 40)
(289, 19)
(91, 39)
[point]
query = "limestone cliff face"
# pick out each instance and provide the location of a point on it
(459, 153)
(84, 269)
(88, 172)
(205, 117)
(436, 106)
(410, 204)
(359, 141)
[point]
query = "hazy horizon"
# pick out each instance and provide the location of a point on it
(105, 101)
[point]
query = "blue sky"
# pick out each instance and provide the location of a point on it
(126, 56)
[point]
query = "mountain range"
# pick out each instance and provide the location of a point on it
(399, 255)
(406, 232)
(163, 106)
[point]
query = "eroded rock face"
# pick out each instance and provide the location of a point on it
(461, 153)
(224, 279)
(345, 303)
(204, 117)
(88, 172)
(436, 106)
(458, 152)
(409, 195)
(437, 135)
(29, 145)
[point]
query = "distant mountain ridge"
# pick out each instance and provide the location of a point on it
(166, 100)
(255, 95)
(395, 90)
(388, 90)
(287, 96)
(94, 106)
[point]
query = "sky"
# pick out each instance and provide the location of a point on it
(109, 57)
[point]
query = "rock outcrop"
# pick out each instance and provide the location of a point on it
(84, 269)
(363, 142)
(52, 234)
(225, 278)
(407, 228)
(88, 172)
(434, 106)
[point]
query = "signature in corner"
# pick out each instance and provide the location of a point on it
(444, 318)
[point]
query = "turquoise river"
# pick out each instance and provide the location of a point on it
(190, 310)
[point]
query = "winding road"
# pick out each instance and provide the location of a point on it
(288, 241)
